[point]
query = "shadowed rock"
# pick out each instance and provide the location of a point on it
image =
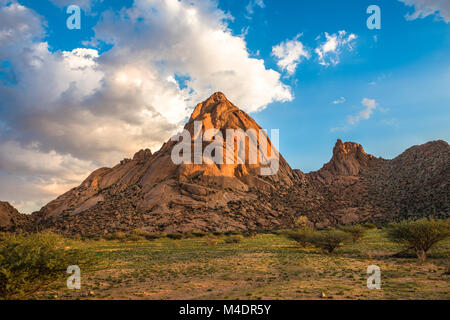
(153, 193)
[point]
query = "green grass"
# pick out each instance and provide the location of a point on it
(266, 266)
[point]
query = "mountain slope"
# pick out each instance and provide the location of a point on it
(10, 218)
(151, 191)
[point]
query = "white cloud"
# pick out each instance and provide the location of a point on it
(329, 50)
(370, 105)
(17, 24)
(425, 8)
(194, 41)
(252, 4)
(289, 54)
(340, 100)
(70, 112)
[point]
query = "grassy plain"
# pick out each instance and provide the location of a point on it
(266, 266)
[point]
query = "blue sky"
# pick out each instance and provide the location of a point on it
(409, 63)
(387, 89)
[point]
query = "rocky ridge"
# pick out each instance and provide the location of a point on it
(152, 193)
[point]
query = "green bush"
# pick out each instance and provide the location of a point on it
(29, 261)
(90, 237)
(135, 237)
(175, 236)
(356, 232)
(369, 226)
(419, 235)
(328, 240)
(115, 236)
(3, 236)
(152, 236)
(281, 232)
(249, 234)
(301, 236)
(232, 233)
(233, 239)
(138, 232)
(218, 233)
(198, 234)
(211, 242)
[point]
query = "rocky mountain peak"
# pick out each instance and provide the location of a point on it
(348, 158)
(349, 148)
(156, 193)
(219, 113)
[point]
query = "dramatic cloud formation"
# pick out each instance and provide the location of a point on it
(364, 114)
(289, 54)
(328, 52)
(65, 113)
(425, 8)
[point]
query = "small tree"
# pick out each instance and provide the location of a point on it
(356, 232)
(28, 262)
(419, 235)
(300, 236)
(233, 239)
(302, 222)
(328, 240)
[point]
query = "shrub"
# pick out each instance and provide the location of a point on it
(175, 236)
(300, 236)
(249, 234)
(302, 222)
(233, 239)
(152, 236)
(115, 236)
(369, 226)
(356, 232)
(328, 240)
(198, 234)
(281, 232)
(232, 233)
(218, 233)
(138, 232)
(419, 235)
(211, 242)
(29, 261)
(135, 237)
(448, 271)
(90, 237)
(4, 236)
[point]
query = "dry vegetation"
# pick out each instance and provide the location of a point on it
(249, 266)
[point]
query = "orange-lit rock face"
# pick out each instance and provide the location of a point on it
(225, 141)
(152, 192)
(153, 183)
(348, 158)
